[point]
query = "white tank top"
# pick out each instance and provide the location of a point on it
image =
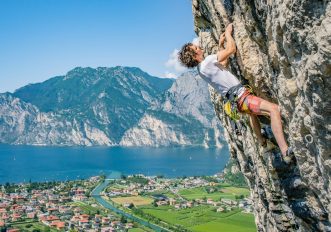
(216, 75)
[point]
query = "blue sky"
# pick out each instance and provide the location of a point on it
(45, 38)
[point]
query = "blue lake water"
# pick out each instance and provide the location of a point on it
(24, 163)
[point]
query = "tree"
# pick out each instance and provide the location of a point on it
(155, 204)
(123, 220)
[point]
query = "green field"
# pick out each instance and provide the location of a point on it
(136, 200)
(136, 230)
(88, 209)
(226, 192)
(33, 226)
(165, 192)
(239, 222)
(203, 218)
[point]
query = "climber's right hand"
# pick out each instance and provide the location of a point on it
(229, 29)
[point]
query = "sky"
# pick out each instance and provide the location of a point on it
(41, 39)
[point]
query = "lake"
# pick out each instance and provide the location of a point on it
(25, 163)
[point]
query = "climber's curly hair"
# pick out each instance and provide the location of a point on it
(186, 56)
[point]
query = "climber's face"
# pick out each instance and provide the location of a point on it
(198, 53)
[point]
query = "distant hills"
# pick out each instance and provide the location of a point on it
(110, 106)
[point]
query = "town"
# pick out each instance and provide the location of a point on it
(70, 206)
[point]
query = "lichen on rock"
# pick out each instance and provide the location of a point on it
(283, 53)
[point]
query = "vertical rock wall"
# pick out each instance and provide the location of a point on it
(284, 53)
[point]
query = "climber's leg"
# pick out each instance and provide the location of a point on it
(256, 126)
(272, 110)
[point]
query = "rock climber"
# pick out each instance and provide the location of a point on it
(213, 70)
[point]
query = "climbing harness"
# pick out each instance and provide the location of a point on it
(230, 102)
(230, 105)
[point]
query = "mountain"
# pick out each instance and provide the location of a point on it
(110, 106)
(284, 52)
(184, 108)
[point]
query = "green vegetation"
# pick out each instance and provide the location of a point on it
(32, 226)
(234, 179)
(137, 180)
(240, 222)
(136, 230)
(88, 209)
(166, 193)
(203, 218)
(219, 191)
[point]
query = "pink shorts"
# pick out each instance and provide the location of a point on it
(248, 103)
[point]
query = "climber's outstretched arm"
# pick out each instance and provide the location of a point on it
(221, 48)
(224, 54)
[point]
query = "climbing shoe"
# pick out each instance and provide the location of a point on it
(289, 155)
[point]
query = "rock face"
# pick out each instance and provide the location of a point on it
(284, 53)
(111, 106)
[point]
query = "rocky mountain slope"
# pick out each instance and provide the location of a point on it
(185, 108)
(284, 53)
(109, 106)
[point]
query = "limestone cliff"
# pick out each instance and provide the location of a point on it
(284, 53)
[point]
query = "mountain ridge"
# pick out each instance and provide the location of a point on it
(101, 106)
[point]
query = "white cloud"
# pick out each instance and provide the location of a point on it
(170, 75)
(175, 68)
(173, 62)
(195, 41)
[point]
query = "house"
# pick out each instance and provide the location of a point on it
(105, 221)
(83, 222)
(189, 204)
(79, 198)
(16, 217)
(58, 225)
(96, 225)
(128, 226)
(31, 215)
(159, 203)
(210, 201)
(229, 202)
(5, 217)
(107, 229)
(13, 230)
(3, 210)
(172, 201)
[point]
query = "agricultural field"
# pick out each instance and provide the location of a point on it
(136, 230)
(240, 222)
(203, 218)
(226, 192)
(165, 192)
(88, 209)
(32, 226)
(136, 200)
